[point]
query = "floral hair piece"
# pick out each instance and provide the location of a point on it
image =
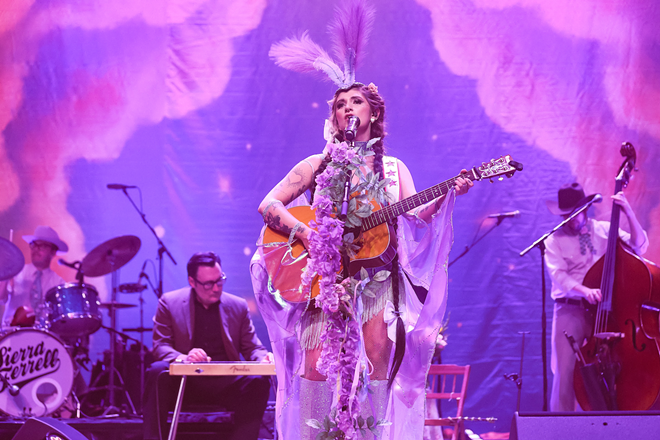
(349, 32)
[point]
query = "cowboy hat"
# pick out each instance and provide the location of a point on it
(569, 197)
(46, 233)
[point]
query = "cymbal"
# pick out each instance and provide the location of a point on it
(11, 259)
(117, 305)
(110, 255)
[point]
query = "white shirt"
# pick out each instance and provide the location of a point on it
(566, 264)
(19, 295)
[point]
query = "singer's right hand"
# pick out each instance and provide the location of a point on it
(593, 296)
(305, 236)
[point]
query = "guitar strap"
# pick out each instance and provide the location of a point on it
(391, 171)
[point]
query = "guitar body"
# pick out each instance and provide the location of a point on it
(377, 249)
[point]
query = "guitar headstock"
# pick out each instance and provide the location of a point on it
(504, 166)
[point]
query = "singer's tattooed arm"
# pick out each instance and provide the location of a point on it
(294, 184)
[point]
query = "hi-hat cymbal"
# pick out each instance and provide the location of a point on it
(117, 305)
(110, 255)
(11, 259)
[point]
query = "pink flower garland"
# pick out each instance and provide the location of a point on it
(341, 336)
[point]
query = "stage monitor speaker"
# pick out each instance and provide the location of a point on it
(614, 425)
(45, 428)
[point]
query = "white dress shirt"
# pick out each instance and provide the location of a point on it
(20, 293)
(566, 263)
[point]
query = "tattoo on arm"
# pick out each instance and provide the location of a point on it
(424, 210)
(294, 184)
(275, 222)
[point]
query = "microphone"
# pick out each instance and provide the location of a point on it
(351, 128)
(142, 273)
(502, 215)
(13, 389)
(594, 198)
(135, 287)
(120, 186)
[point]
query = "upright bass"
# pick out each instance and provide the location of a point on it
(621, 369)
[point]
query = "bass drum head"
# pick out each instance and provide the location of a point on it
(38, 370)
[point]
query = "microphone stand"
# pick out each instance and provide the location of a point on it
(475, 240)
(162, 249)
(342, 216)
(517, 378)
(540, 243)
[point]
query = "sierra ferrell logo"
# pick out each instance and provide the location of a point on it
(21, 364)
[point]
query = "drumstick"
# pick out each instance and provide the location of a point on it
(11, 235)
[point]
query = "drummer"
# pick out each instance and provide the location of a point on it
(28, 288)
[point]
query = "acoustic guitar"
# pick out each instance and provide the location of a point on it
(376, 239)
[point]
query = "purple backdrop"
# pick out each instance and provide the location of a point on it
(181, 99)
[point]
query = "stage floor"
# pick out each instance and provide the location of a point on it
(130, 428)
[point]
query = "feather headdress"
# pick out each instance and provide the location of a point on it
(349, 32)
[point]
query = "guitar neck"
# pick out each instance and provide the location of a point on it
(396, 209)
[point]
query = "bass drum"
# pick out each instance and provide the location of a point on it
(38, 373)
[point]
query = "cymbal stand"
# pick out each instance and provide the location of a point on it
(112, 409)
(141, 301)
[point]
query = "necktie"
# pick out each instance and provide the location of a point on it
(36, 292)
(585, 243)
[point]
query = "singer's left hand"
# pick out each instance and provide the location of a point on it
(463, 184)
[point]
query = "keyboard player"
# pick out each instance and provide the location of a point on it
(203, 323)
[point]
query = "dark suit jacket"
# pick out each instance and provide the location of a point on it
(174, 324)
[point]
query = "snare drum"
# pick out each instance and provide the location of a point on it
(73, 309)
(38, 373)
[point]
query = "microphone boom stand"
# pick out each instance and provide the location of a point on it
(162, 249)
(476, 240)
(540, 243)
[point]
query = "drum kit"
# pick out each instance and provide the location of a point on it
(37, 368)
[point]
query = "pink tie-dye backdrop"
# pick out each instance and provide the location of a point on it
(180, 98)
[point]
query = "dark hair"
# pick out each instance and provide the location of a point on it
(208, 259)
(377, 104)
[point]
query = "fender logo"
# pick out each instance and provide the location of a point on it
(239, 369)
(25, 364)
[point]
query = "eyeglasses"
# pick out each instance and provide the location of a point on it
(41, 245)
(208, 285)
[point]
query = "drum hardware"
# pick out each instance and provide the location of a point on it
(139, 288)
(162, 249)
(116, 305)
(108, 258)
(108, 373)
(13, 389)
(138, 329)
(11, 259)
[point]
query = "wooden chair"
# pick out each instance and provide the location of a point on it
(449, 382)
